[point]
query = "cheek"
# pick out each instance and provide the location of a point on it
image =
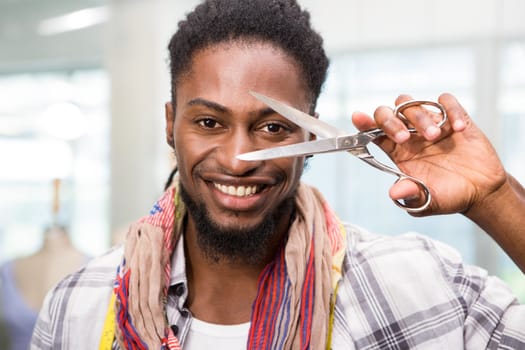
(182, 154)
(190, 151)
(294, 169)
(299, 167)
(185, 166)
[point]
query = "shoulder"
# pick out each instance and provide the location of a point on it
(410, 267)
(401, 250)
(393, 285)
(415, 271)
(97, 272)
(92, 281)
(78, 300)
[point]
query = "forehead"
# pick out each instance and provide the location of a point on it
(227, 71)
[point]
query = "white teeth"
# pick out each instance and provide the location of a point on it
(239, 191)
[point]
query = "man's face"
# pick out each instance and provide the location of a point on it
(216, 119)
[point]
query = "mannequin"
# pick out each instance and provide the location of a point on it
(26, 280)
(37, 273)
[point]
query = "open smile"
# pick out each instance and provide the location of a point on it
(238, 191)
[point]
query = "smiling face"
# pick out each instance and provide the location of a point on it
(216, 119)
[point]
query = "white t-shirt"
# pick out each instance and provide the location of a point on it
(204, 335)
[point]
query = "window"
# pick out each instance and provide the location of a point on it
(512, 109)
(54, 125)
(363, 81)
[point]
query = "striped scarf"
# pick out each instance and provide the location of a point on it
(296, 294)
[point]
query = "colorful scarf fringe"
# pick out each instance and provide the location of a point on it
(296, 292)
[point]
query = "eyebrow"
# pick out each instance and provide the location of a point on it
(210, 104)
(220, 108)
(266, 111)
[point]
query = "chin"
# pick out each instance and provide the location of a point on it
(235, 239)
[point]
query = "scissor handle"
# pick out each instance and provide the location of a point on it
(365, 156)
(398, 111)
(426, 193)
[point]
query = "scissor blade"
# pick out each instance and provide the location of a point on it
(300, 118)
(294, 150)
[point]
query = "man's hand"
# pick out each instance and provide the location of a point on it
(457, 162)
(460, 167)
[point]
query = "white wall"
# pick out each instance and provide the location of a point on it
(355, 24)
(136, 57)
(132, 46)
(137, 60)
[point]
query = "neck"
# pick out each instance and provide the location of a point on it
(56, 239)
(222, 290)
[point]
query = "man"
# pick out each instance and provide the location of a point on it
(240, 254)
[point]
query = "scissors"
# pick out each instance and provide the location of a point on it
(337, 140)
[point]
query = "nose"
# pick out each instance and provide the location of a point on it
(237, 143)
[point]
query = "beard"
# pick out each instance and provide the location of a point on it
(247, 245)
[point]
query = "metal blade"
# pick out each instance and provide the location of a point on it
(294, 150)
(302, 119)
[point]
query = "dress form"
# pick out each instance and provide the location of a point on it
(26, 280)
(37, 273)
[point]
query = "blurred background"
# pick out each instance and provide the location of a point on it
(83, 85)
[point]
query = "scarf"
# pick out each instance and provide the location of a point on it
(294, 306)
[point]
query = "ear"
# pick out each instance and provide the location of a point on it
(313, 136)
(170, 120)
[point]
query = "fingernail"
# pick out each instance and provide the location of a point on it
(432, 131)
(459, 124)
(401, 136)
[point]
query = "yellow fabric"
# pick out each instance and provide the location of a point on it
(108, 331)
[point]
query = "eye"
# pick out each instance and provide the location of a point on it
(274, 128)
(208, 123)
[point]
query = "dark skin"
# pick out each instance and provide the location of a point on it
(461, 167)
(216, 119)
(222, 293)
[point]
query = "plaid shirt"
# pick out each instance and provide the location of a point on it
(404, 292)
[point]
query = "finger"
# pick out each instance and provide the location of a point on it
(421, 118)
(408, 192)
(403, 98)
(363, 121)
(393, 127)
(457, 116)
